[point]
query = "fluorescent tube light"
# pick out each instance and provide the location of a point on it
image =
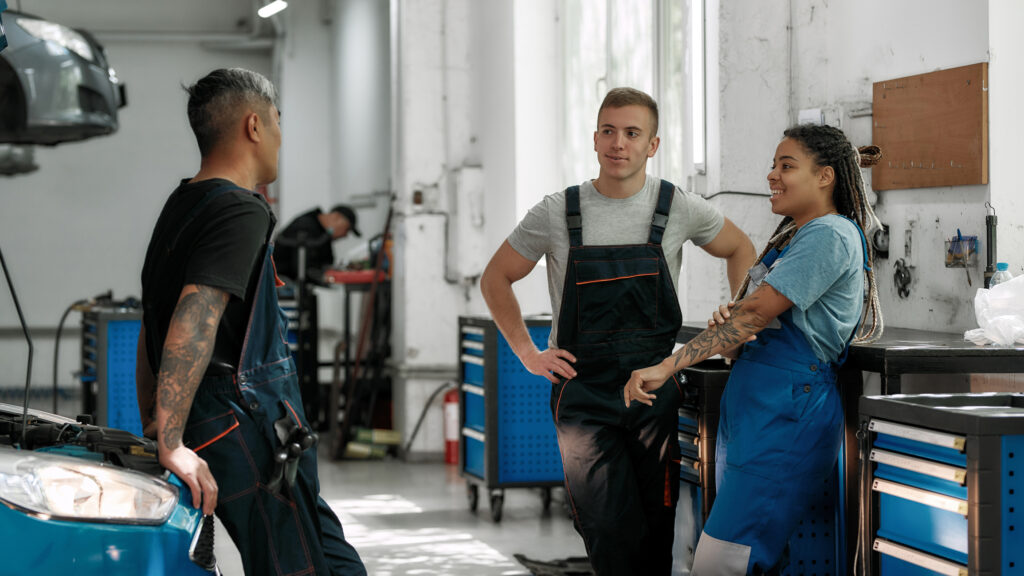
(272, 8)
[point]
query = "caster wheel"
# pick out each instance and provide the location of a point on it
(473, 495)
(497, 501)
(545, 498)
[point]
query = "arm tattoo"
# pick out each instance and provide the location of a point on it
(740, 325)
(187, 351)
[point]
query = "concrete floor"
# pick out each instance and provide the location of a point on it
(413, 518)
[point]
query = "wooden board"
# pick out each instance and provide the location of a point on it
(932, 128)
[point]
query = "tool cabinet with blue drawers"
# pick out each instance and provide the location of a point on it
(507, 437)
(942, 484)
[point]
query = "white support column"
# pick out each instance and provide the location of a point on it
(433, 135)
(1006, 125)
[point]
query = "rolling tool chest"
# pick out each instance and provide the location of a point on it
(507, 437)
(942, 484)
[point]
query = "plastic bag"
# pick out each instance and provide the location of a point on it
(1000, 314)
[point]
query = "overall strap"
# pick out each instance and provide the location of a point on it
(863, 243)
(573, 218)
(661, 211)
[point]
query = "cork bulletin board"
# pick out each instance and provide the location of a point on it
(932, 128)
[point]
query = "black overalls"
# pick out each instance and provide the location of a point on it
(619, 313)
(231, 425)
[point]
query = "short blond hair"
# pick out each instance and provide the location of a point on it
(623, 96)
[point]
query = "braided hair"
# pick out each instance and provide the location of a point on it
(828, 146)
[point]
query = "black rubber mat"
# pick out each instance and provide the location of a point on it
(575, 566)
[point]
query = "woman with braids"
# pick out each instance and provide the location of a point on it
(781, 420)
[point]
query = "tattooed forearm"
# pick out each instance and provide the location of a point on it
(740, 326)
(187, 351)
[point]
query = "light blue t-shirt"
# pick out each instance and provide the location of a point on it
(822, 274)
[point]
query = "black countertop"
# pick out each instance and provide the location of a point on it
(908, 351)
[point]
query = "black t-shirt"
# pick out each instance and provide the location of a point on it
(220, 244)
(305, 229)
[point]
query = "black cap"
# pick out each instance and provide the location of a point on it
(349, 215)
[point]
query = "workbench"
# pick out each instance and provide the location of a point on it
(907, 351)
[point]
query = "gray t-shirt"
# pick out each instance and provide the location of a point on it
(611, 221)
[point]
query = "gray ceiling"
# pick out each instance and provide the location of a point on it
(140, 16)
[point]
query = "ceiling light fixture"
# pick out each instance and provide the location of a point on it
(272, 8)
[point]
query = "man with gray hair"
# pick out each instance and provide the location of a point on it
(217, 386)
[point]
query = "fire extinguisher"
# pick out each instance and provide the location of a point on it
(451, 426)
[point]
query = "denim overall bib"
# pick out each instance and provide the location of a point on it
(619, 313)
(779, 435)
(231, 426)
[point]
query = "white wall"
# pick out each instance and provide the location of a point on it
(80, 224)
(836, 51)
(430, 48)
(940, 298)
(305, 179)
(361, 129)
(747, 99)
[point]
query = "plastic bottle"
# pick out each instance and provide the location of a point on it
(1002, 274)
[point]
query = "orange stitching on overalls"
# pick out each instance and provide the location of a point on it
(559, 403)
(292, 410)
(677, 384)
(668, 489)
(616, 278)
(217, 437)
(575, 513)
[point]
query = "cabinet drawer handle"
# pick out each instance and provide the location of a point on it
(918, 434)
(921, 466)
(918, 558)
(926, 497)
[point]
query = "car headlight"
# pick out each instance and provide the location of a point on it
(58, 34)
(73, 489)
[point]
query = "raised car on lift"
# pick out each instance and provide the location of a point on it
(55, 84)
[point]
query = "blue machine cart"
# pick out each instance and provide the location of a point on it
(507, 437)
(110, 338)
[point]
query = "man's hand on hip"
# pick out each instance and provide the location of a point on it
(550, 363)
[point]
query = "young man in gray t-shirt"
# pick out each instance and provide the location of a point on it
(621, 464)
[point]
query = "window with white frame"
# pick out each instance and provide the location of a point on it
(653, 45)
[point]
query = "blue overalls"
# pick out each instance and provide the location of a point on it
(232, 426)
(619, 313)
(779, 435)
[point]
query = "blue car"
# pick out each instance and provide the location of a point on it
(82, 499)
